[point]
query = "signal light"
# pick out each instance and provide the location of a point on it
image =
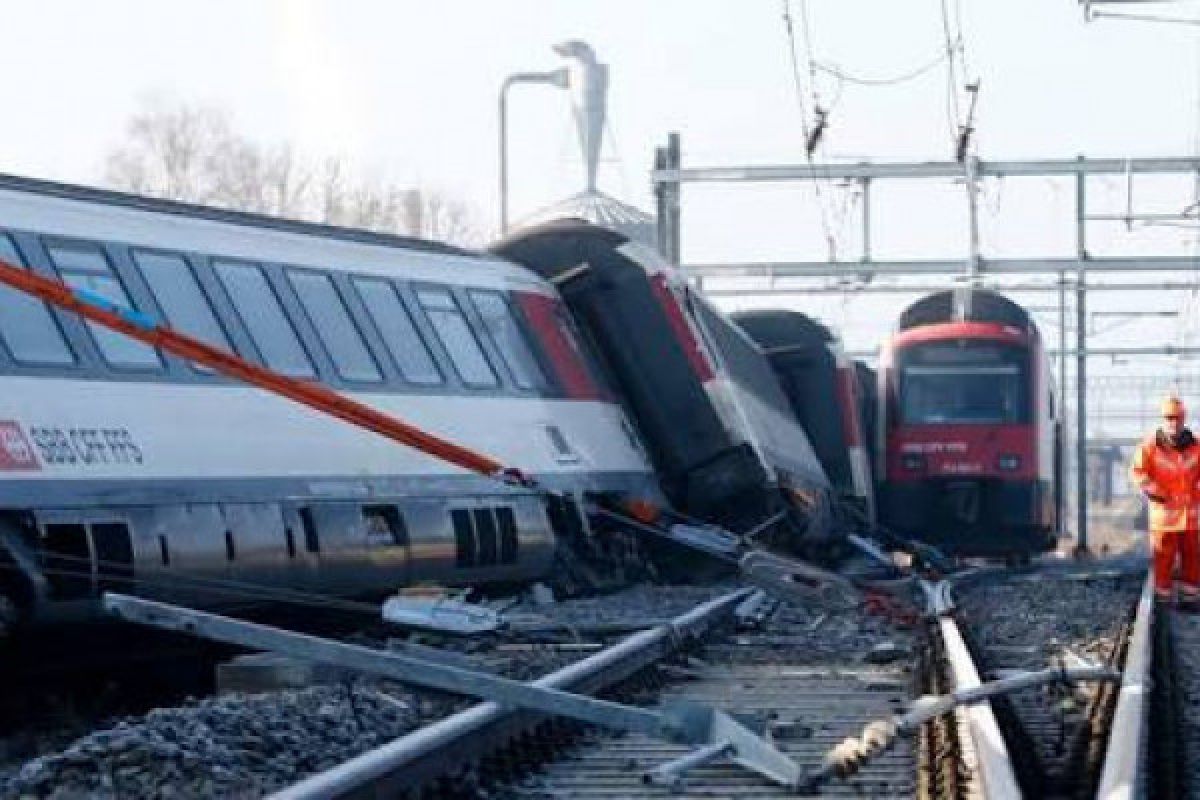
(1009, 462)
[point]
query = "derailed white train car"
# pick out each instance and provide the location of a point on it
(121, 466)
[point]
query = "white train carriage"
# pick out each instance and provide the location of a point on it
(121, 464)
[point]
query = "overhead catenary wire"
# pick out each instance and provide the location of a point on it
(810, 141)
(840, 73)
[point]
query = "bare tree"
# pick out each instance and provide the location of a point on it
(193, 154)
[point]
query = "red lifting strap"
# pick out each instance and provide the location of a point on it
(141, 327)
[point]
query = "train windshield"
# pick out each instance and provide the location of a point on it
(964, 382)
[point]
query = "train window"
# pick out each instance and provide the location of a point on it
(385, 526)
(87, 268)
(510, 340)
(26, 324)
(464, 538)
(508, 535)
(487, 535)
(230, 551)
(164, 551)
(312, 543)
(331, 318)
(403, 341)
(181, 299)
(290, 538)
(970, 383)
(264, 317)
(457, 337)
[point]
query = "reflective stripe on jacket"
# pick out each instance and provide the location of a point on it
(1170, 474)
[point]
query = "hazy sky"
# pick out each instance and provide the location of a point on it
(409, 88)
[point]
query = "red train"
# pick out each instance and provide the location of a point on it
(971, 441)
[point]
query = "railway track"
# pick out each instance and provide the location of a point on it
(1159, 708)
(813, 688)
(808, 677)
(1026, 622)
(814, 681)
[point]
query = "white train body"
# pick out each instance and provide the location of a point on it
(120, 466)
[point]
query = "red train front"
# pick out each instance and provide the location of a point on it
(971, 444)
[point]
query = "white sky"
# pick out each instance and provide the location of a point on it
(410, 87)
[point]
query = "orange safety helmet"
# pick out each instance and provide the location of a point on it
(1172, 406)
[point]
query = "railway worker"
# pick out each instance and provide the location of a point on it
(1166, 467)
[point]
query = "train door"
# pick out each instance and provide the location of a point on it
(67, 561)
(114, 556)
(81, 559)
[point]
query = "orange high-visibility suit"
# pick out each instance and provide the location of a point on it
(1168, 475)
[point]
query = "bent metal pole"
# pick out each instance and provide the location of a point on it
(142, 327)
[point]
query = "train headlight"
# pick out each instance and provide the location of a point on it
(912, 461)
(1009, 462)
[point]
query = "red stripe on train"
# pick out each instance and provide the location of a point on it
(679, 326)
(547, 317)
(848, 400)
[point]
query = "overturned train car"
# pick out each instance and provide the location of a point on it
(708, 407)
(832, 396)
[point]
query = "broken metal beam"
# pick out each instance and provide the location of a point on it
(689, 724)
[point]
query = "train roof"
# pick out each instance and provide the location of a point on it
(773, 329)
(964, 305)
(560, 245)
(91, 213)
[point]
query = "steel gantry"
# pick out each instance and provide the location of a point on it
(1070, 274)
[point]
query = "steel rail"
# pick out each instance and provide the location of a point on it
(1122, 774)
(995, 766)
(416, 758)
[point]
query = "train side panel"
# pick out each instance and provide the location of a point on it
(125, 468)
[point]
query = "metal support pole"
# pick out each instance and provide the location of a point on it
(674, 162)
(970, 170)
(661, 215)
(930, 169)
(866, 219)
(1081, 361)
(557, 78)
(1064, 449)
(503, 144)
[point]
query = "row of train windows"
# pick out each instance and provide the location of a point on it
(33, 337)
